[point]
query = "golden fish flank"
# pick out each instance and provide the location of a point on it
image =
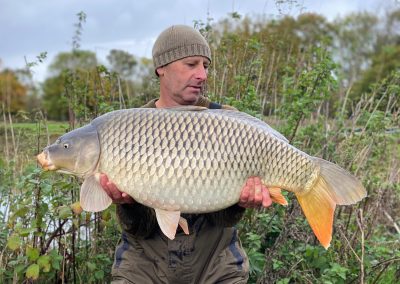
(195, 160)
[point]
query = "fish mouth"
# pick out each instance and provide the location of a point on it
(45, 162)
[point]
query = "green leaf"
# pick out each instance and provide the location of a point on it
(21, 212)
(33, 271)
(283, 281)
(33, 181)
(14, 242)
(64, 212)
(19, 268)
(32, 253)
(99, 274)
(46, 188)
(44, 263)
(24, 232)
(55, 259)
(277, 264)
(106, 215)
(38, 234)
(91, 266)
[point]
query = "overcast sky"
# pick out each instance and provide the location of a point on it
(29, 27)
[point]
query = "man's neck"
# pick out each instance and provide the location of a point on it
(165, 102)
(162, 103)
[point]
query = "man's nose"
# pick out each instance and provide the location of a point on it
(201, 73)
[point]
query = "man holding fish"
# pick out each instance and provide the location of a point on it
(212, 251)
(182, 171)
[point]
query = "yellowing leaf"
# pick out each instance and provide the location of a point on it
(44, 263)
(14, 242)
(24, 232)
(33, 271)
(76, 208)
(32, 253)
(106, 215)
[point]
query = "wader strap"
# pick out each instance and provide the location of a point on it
(214, 106)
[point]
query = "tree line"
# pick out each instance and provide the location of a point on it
(259, 57)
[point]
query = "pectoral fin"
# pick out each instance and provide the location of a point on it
(169, 221)
(93, 198)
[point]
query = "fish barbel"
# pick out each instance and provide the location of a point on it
(195, 160)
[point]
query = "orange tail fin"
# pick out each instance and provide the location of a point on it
(333, 186)
(319, 209)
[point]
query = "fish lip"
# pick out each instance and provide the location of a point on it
(45, 162)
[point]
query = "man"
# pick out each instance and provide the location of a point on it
(212, 252)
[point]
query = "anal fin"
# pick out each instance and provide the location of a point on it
(184, 225)
(169, 221)
(276, 196)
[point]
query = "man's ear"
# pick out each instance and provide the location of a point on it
(160, 71)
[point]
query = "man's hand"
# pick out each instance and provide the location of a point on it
(254, 194)
(114, 193)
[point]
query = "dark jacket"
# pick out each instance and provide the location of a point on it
(140, 221)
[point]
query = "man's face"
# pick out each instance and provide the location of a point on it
(182, 81)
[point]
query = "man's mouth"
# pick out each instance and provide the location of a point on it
(197, 88)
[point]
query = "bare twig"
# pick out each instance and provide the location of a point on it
(360, 222)
(7, 150)
(391, 220)
(349, 245)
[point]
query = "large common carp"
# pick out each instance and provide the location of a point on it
(195, 160)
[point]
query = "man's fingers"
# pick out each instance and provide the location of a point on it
(104, 184)
(258, 196)
(112, 190)
(254, 194)
(266, 198)
(116, 194)
(244, 196)
(103, 180)
(250, 184)
(109, 187)
(127, 198)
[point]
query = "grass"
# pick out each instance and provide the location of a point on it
(54, 127)
(28, 140)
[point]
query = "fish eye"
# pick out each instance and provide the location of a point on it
(66, 146)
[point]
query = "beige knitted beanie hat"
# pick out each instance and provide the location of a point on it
(178, 42)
